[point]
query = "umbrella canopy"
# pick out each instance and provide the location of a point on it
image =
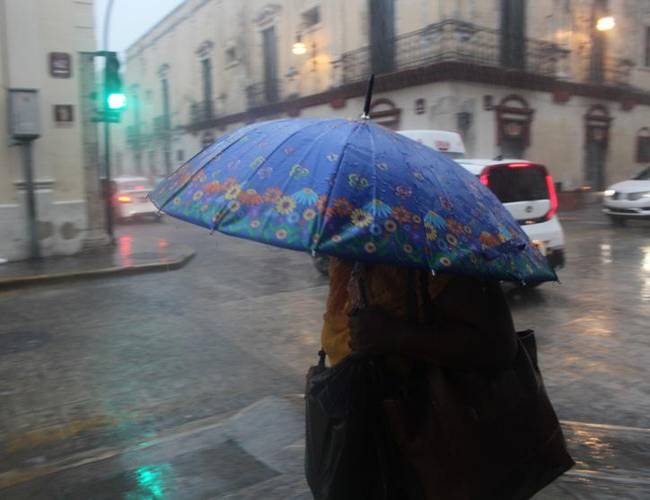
(354, 190)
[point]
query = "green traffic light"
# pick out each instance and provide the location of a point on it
(116, 101)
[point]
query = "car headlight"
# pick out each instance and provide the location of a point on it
(609, 192)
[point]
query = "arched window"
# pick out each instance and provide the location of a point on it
(643, 145)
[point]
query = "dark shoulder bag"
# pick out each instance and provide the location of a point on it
(485, 434)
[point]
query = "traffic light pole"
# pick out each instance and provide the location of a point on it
(108, 192)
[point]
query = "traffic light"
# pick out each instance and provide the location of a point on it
(114, 98)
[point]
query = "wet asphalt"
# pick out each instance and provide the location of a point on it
(186, 384)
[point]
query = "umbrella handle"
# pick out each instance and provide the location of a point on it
(359, 286)
(366, 106)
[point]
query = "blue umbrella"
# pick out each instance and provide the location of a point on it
(355, 190)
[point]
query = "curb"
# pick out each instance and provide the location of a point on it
(172, 265)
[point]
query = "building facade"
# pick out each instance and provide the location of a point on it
(40, 45)
(534, 80)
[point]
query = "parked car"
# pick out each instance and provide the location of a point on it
(130, 199)
(628, 199)
(527, 190)
(445, 142)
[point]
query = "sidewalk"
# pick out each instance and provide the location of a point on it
(130, 255)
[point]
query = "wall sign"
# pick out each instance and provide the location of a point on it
(63, 113)
(60, 65)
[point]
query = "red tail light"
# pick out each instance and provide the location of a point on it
(552, 196)
(485, 180)
(124, 199)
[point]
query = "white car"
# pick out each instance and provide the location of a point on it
(628, 199)
(130, 199)
(527, 190)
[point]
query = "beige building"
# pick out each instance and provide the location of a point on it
(520, 78)
(39, 49)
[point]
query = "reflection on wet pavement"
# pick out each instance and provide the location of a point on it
(131, 385)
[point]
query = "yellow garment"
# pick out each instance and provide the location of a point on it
(387, 288)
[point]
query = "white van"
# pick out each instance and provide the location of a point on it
(527, 190)
(445, 142)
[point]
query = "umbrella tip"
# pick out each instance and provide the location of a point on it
(366, 106)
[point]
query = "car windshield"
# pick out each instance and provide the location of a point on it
(518, 184)
(644, 175)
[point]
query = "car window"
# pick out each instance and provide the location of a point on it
(134, 186)
(644, 175)
(518, 184)
(454, 155)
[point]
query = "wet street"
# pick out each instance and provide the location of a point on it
(187, 384)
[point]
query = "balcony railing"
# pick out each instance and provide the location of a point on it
(201, 112)
(455, 41)
(614, 71)
(266, 92)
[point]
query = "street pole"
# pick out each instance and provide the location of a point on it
(107, 138)
(108, 192)
(32, 217)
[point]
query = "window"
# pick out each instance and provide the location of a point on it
(311, 17)
(643, 145)
(518, 184)
(231, 56)
(164, 89)
(152, 161)
(647, 47)
(206, 77)
(180, 155)
(382, 35)
(513, 34)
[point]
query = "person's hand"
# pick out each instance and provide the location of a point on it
(372, 330)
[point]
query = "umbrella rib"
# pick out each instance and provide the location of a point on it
(248, 179)
(373, 165)
(321, 230)
(206, 163)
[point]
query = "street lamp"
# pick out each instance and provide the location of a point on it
(606, 23)
(299, 48)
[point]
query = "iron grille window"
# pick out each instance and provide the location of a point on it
(311, 17)
(382, 35)
(513, 34)
(643, 146)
